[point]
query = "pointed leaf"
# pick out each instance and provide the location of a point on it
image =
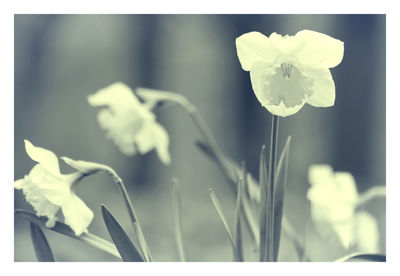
(64, 229)
(177, 218)
(40, 244)
(126, 249)
(279, 195)
(254, 191)
(357, 257)
(239, 239)
(222, 217)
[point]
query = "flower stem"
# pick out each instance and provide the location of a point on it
(135, 222)
(271, 186)
(374, 192)
(205, 132)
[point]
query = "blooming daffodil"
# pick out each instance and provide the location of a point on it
(130, 123)
(48, 190)
(288, 71)
(334, 199)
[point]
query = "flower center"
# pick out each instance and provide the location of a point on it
(286, 69)
(286, 84)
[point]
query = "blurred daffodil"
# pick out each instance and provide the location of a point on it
(334, 199)
(129, 123)
(48, 191)
(288, 71)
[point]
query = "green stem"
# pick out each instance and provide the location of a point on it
(204, 130)
(271, 186)
(374, 192)
(135, 222)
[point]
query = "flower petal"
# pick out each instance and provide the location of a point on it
(115, 95)
(344, 232)
(367, 233)
(85, 166)
(252, 47)
(286, 44)
(318, 173)
(323, 87)
(319, 50)
(19, 184)
(154, 136)
(282, 110)
(35, 197)
(347, 187)
(162, 144)
(43, 156)
(77, 215)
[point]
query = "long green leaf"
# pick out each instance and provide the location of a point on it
(279, 196)
(177, 218)
(249, 201)
(40, 244)
(357, 257)
(239, 238)
(254, 191)
(64, 229)
(217, 206)
(138, 232)
(128, 252)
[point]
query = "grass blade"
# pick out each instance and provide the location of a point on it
(239, 240)
(177, 218)
(357, 257)
(250, 220)
(279, 196)
(127, 250)
(40, 244)
(222, 217)
(64, 229)
(254, 196)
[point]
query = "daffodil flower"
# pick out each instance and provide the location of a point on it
(288, 71)
(334, 199)
(48, 190)
(129, 123)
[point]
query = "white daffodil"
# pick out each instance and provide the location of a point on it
(334, 198)
(129, 123)
(288, 71)
(48, 191)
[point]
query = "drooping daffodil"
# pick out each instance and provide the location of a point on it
(48, 190)
(288, 71)
(334, 200)
(130, 123)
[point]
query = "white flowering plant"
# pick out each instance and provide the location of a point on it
(285, 73)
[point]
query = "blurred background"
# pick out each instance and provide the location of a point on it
(61, 59)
